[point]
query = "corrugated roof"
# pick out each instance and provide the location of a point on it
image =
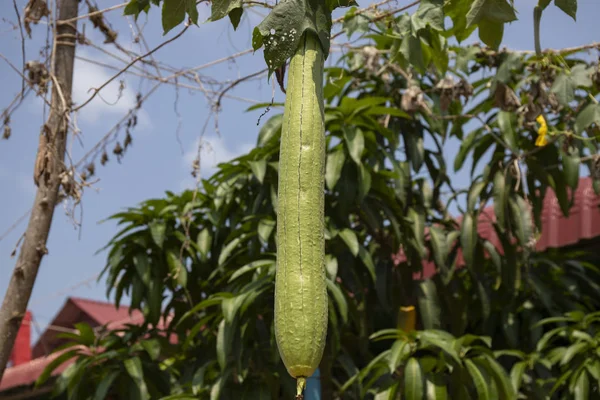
(96, 313)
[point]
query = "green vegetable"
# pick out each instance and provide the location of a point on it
(300, 288)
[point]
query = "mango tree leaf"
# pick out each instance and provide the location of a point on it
(479, 380)
(398, 351)
(269, 130)
(439, 246)
(133, 366)
(521, 218)
(571, 163)
(429, 307)
(334, 166)
(158, 230)
(259, 168)
(177, 269)
(413, 380)
(582, 386)
(339, 299)
(105, 385)
(468, 238)
(436, 388)
(349, 237)
(496, 371)
(367, 260)
(364, 178)
(204, 242)
(516, 374)
(500, 198)
(355, 140)
(265, 229)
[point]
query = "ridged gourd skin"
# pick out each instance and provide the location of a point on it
(301, 301)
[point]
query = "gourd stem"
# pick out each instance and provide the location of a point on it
(300, 386)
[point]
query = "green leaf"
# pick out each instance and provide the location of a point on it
(228, 249)
(521, 218)
(177, 270)
(417, 225)
(133, 366)
(333, 4)
(204, 242)
(516, 374)
(416, 149)
(259, 168)
(105, 385)
(265, 228)
(465, 147)
(582, 387)
(281, 31)
(468, 238)
(140, 260)
(570, 163)
(474, 193)
(491, 33)
(173, 13)
(431, 12)
(349, 237)
(479, 380)
(574, 350)
(253, 266)
(588, 116)
(364, 179)
(569, 7)
(221, 8)
(339, 299)
(506, 121)
(429, 307)
(87, 336)
(355, 140)
(367, 260)
(500, 198)
(55, 363)
(496, 371)
(222, 347)
(439, 246)
(436, 388)
(158, 230)
(412, 51)
(152, 347)
(270, 130)
(398, 351)
(564, 88)
(499, 11)
(333, 168)
(413, 380)
(331, 265)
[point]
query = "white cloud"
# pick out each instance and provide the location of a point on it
(116, 99)
(215, 150)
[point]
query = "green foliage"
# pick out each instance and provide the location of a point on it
(199, 265)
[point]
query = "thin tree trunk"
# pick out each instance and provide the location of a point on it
(49, 166)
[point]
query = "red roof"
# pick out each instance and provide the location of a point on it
(557, 231)
(95, 313)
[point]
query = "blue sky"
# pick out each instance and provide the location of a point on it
(163, 143)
